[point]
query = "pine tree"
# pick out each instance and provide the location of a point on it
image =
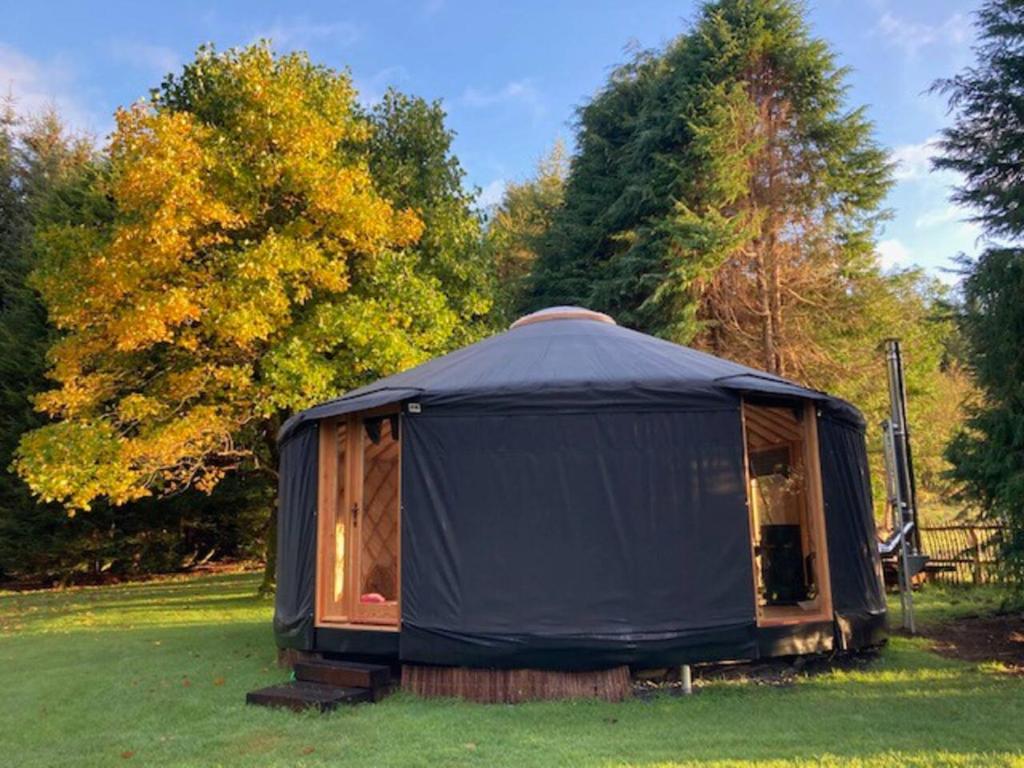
(37, 158)
(13, 215)
(725, 195)
(603, 201)
(986, 145)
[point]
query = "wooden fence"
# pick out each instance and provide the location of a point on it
(962, 554)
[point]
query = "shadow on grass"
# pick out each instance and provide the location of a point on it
(161, 669)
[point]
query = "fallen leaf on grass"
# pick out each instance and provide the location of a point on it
(308, 750)
(127, 754)
(218, 681)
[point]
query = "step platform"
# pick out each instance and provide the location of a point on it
(299, 695)
(348, 674)
(324, 685)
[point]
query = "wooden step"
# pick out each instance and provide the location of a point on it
(346, 674)
(300, 694)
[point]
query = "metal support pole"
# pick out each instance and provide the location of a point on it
(906, 588)
(687, 679)
(904, 501)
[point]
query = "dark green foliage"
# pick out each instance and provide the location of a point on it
(13, 211)
(668, 184)
(724, 195)
(45, 545)
(988, 453)
(602, 198)
(516, 230)
(35, 159)
(985, 144)
(413, 166)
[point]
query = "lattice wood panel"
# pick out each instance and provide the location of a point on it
(378, 521)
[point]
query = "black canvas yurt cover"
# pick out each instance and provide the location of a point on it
(571, 494)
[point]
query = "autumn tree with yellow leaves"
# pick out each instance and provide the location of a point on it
(253, 267)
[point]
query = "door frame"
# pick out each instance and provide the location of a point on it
(371, 613)
(348, 612)
(814, 502)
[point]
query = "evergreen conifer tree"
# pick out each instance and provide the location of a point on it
(725, 195)
(986, 145)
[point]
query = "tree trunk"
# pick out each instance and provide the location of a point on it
(765, 308)
(270, 464)
(775, 308)
(270, 556)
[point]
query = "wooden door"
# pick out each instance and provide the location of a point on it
(334, 521)
(375, 522)
(789, 550)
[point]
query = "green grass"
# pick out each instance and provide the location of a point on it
(946, 602)
(156, 674)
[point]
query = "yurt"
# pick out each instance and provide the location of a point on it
(572, 496)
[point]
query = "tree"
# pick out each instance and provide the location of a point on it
(601, 201)
(37, 158)
(724, 195)
(12, 213)
(49, 179)
(517, 228)
(987, 454)
(984, 144)
(744, 195)
(252, 267)
(413, 166)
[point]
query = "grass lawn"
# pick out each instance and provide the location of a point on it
(156, 674)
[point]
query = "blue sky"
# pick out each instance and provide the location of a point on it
(510, 74)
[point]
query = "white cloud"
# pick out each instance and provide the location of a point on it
(892, 253)
(37, 86)
(913, 161)
(491, 194)
(300, 32)
(937, 216)
(514, 92)
(912, 36)
(156, 58)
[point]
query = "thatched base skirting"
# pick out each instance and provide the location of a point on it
(509, 686)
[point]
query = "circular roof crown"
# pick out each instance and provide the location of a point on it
(562, 313)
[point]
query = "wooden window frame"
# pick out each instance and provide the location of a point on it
(350, 616)
(815, 513)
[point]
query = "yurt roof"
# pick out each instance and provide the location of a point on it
(564, 350)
